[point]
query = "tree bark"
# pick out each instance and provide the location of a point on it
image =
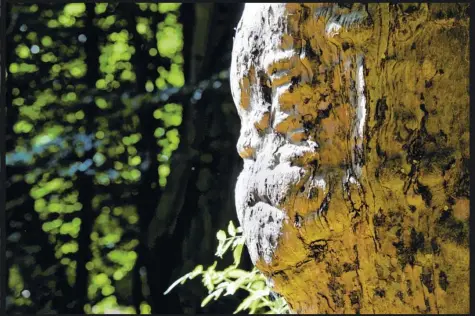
(354, 196)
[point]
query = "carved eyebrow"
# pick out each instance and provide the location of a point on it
(349, 19)
(282, 71)
(342, 16)
(280, 60)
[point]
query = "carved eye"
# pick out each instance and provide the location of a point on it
(345, 5)
(295, 80)
(263, 122)
(266, 86)
(268, 83)
(308, 122)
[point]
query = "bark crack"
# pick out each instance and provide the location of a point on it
(326, 299)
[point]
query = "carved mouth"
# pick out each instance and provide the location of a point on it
(263, 223)
(269, 205)
(276, 190)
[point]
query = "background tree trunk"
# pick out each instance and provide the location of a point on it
(397, 240)
(198, 199)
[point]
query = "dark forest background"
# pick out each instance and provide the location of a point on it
(121, 159)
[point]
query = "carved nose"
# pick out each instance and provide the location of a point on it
(246, 146)
(263, 121)
(246, 152)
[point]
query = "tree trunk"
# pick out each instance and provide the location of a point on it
(354, 196)
(198, 199)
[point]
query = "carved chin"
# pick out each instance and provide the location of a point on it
(263, 224)
(262, 197)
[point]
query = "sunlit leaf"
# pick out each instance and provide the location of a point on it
(221, 235)
(231, 229)
(237, 254)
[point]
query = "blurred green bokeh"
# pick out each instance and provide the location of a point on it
(76, 80)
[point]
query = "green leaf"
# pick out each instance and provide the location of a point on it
(221, 235)
(254, 306)
(237, 254)
(231, 229)
(238, 273)
(209, 277)
(245, 304)
(222, 285)
(196, 271)
(231, 289)
(231, 279)
(222, 248)
(219, 250)
(206, 300)
(211, 268)
(216, 294)
(180, 280)
(238, 241)
(258, 285)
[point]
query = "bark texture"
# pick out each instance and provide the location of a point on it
(354, 197)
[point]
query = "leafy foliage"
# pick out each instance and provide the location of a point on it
(78, 155)
(96, 103)
(260, 299)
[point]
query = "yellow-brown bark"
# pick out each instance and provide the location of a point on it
(394, 240)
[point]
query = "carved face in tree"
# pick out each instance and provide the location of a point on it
(302, 112)
(354, 136)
